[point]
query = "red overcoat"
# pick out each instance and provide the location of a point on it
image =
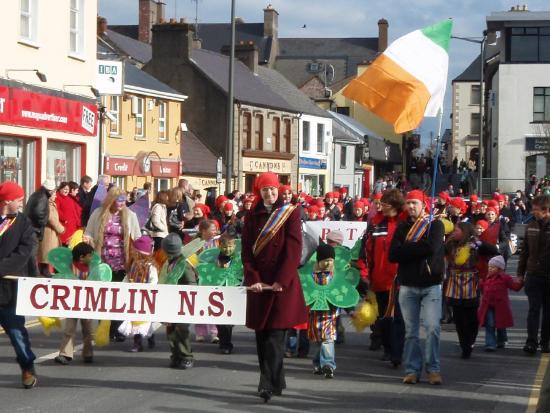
(277, 262)
(70, 213)
(494, 293)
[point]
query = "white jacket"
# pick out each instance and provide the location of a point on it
(158, 219)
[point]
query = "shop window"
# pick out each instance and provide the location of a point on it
(119, 181)
(76, 31)
(286, 136)
(541, 104)
(63, 161)
(343, 156)
(28, 20)
(276, 133)
(259, 133)
(162, 121)
(320, 137)
(17, 162)
(305, 136)
(137, 109)
(247, 129)
(114, 127)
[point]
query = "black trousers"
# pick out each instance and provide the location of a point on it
(118, 276)
(465, 318)
(270, 349)
(391, 330)
(538, 295)
(225, 333)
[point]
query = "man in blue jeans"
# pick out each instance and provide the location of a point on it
(418, 247)
(17, 241)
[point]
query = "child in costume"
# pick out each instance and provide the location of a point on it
(142, 270)
(328, 282)
(495, 312)
(222, 267)
(173, 272)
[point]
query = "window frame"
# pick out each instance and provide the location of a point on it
(32, 23)
(163, 120)
(276, 132)
(247, 129)
(545, 111)
(141, 116)
(343, 156)
(305, 147)
(78, 30)
(472, 94)
(259, 132)
(321, 138)
(287, 134)
(116, 114)
(514, 32)
(475, 122)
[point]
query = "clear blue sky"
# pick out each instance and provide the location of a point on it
(346, 18)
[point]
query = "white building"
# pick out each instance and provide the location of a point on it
(518, 106)
(48, 114)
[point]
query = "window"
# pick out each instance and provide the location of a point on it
(259, 133)
(529, 44)
(138, 113)
(161, 184)
(76, 30)
(286, 136)
(541, 104)
(119, 181)
(305, 136)
(63, 161)
(276, 133)
(115, 111)
(162, 121)
(27, 20)
(474, 124)
(344, 110)
(475, 95)
(320, 137)
(247, 130)
(343, 156)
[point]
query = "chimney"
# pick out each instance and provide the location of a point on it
(172, 40)
(382, 35)
(246, 53)
(271, 22)
(101, 25)
(150, 13)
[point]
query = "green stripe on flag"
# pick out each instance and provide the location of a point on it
(440, 33)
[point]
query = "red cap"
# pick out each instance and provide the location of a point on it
(492, 203)
(473, 198)
(204, 208)
(10, 191)
(416, 194)
(313, 210)
(377, 196)
(265, 179)
(491, 209)
(500, 198)
(319, 203)
(228, 206)
(444, 195)
(284, 188)
(458, 203)
(249, 198)
(329, 195)
(220, 200)
(482, 223)
(358, 205)
(343, 190)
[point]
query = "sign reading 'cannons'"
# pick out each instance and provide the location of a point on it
(539, 144)
(267, 165)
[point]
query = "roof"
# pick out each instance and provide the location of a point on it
(295, 97)
(248, 86)
(472, 73)
(196, 157)
(354, 125)
(343, 135)
(135, 49)
(498, 19)
(138, 81)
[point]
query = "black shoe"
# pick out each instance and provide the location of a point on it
(89, 359)
(395, 363)
(175, 363)
(501, 345)
(225, 350)
(317, 371)
(266, 395)
(187, 364)
(530, 348)
(375, 344)
(63, 360)
(328, 372)
(151, 342)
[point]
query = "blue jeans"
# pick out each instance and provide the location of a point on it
(492, 339)
(421, 304)
(14, 326)
(325, 355)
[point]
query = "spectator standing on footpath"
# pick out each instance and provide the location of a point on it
(17, 242)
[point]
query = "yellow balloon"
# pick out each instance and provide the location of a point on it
(449, 226)
(48, 323)
(366, 313)
(76, 238)
(102, 333)
(462, 255)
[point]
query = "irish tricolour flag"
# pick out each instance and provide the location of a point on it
(407, 81)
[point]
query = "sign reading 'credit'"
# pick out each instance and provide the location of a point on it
(133, 302)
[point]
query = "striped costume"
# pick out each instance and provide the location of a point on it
(322, 324)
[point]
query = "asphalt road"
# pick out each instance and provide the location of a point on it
(119, 381)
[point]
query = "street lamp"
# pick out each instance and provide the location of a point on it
(39, 74)
(481, 43)
(94, 91)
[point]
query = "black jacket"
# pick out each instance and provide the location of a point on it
(535, 251)
(38, 211)
(421, 263)
(85, 200)
(16, 246)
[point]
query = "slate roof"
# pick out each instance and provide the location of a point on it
(472, 73)
(140, 79)
(196, 157)
(133, 48)
(295, 97)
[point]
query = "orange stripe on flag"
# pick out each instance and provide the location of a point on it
(391, 93)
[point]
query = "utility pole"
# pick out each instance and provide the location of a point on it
(230, 106)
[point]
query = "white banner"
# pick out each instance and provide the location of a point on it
(352, 230)
(134, 302)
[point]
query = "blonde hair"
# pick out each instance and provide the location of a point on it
(105, 214)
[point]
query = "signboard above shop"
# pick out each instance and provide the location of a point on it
(538, 144)
(109, 77)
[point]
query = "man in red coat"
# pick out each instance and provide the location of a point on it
(271, 252)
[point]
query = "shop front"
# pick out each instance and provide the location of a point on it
(313, 176)
(252, 167)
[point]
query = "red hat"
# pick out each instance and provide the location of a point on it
(416, 194)
(444, 195)
(220, 200)
(249, 198)
(204, 208)
(284, 188)
(358, 205)
(482, 223)
(500, 198)
(302, 195)
(10, 191)
(377, 196)
(309, 199)
(329, 195)
(228, 206)
(458, 203)
(264, 180)
(473, 198)
(319, 203)
(343, 190)
(491, 209)
(492, 203)
(313, 210)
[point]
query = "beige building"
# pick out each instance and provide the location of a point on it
(465, 115)
(48, 114)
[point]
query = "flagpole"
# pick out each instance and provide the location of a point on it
(436, 163)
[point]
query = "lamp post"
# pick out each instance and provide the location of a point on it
(230, 109)
(481, 43)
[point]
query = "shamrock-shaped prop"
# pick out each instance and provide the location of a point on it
(211, 274)
(340, 291)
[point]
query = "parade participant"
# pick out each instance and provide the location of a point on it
(50, 239)
(218, 213)
(271, 252)
(142, 270)
(455, 209)
(534, 267)
(313, 213)
(286, 193)
(332, 211)
(17, 241)
(441, 203)
(358, 212)
(110, 230)
(379, 272)
(82, 255)
(496, 233)
(417, 246)
(474, 211)
(461, 287)
(173, 272)
(495, 312)
(159, 214)
(70, 211)
(483, 208)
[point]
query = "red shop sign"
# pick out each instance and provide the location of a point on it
(21, 107)
(130, 167)
(166, 169)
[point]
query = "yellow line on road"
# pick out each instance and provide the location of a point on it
(28, 324)
(537, 384)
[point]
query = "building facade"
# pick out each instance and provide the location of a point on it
(48, 112)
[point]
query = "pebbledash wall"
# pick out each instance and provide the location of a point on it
(48, 128)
